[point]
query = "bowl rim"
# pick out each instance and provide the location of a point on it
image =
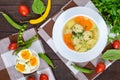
(61, 46)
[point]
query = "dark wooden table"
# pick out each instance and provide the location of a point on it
(61, 72)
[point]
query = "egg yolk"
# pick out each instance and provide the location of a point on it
(26, 54)
(20, 67)
(33, 61)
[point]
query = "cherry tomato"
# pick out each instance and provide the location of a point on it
(23, 10)
(31, 78)
(12, 46)
(100, 67)
(116, 44)
(44, 77)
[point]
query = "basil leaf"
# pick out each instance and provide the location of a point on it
(38, 7)
(111, 55)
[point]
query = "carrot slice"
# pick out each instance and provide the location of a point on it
(79, 20)
(70, 46)
(86, 23)
(67, 40)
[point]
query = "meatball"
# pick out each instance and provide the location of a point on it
(77, 28)
(87, 35)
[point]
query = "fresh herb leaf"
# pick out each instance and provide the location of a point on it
(112, 54)
(46, 58)
(118, 11)
(79, 34)
(38, 7)
(109, 9)
(73, 37)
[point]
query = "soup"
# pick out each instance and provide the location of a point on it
(80, 34)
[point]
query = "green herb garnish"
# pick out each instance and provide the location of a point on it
(112, 54)
(110, 11)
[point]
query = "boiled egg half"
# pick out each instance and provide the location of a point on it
(22, 67)
(33, 61)
(25, 55)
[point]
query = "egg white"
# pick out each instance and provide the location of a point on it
(33, 67)
(21, 58)
(27, 68)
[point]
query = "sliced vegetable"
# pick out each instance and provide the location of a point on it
(67, 40)
(38, 7)
(81, 69)
(86, 23)
(111, 54)
(116, 44)
(12, 46)
(46, 58)
(79, 20)
(43, 76)
(10, 21)
(44, 16)
(100, 67)
(23, 10)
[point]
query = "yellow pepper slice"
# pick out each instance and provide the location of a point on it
(44, 16)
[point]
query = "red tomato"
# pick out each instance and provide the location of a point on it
(100, 67)
(116, 44)
(31, 78)
(23, 10)
(44, 77)
(12, 46)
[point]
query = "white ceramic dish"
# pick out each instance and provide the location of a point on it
(28, 68)
(73, 55)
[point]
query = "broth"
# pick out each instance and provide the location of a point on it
(80, 34)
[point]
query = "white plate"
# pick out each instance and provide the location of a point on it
(70, 54)
(18, 59)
